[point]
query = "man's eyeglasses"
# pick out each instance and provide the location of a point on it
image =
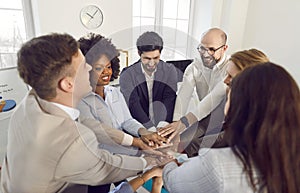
(211, 51)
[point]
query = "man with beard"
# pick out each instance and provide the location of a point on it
(149, 85)
(206, 75)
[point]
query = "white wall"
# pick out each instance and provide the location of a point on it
(202, 17)
(273, 26)
(231, 17)
(268, 25)
(63, 16)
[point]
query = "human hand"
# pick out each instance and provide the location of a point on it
(157, 184)
(137, 142)
(152, 138)
(171, 130)
(154, 160)
(154, 172)
(146, 150)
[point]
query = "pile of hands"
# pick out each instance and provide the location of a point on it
(161, 147)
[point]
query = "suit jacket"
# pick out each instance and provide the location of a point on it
(48, 151)
(134, 88)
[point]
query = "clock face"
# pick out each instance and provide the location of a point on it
(91, 16)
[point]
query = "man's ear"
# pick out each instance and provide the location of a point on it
(66, 84)
(140, 53)
(225, 47)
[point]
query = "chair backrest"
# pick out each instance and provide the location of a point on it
(181, 65)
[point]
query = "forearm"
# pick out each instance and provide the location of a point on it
(132, 126)
(143, 131)
(106, 134)
(210, 101)
(140, 180)
(189, 118)
(184, 95)
(157, 185)
(98, 166)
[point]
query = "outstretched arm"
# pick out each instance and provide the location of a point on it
(185, 91)
(204, 108)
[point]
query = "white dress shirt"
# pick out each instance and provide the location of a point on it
(209, 87)
(74, 113)
(149, 81)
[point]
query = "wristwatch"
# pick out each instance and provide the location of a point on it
(184, 120)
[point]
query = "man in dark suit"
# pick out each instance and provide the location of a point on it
(149, 85)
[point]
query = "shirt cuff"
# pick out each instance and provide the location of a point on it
(144, 162)
(127, 140)
(176, 116)
(162, 124)
(153, 129)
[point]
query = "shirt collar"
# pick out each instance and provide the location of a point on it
(221, 62)
(73, 113)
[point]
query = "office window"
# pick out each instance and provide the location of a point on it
(170, 18)
(12, 31)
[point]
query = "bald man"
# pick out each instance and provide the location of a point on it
(206, 75)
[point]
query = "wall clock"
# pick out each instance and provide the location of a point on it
(91, 16)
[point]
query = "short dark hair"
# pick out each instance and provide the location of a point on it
(149, 41)
(43, 60)
(93, 46)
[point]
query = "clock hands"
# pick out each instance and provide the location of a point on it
(90, 15)
(95, 12)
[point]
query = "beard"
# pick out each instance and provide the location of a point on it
(209, 61)
(149, 68)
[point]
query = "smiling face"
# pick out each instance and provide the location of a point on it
(212, 47)
(150, 60)
(103, 70)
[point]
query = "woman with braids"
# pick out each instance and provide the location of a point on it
(262, 128)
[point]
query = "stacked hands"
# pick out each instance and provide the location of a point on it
(159, 148)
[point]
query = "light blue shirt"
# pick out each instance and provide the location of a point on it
(113, 111)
